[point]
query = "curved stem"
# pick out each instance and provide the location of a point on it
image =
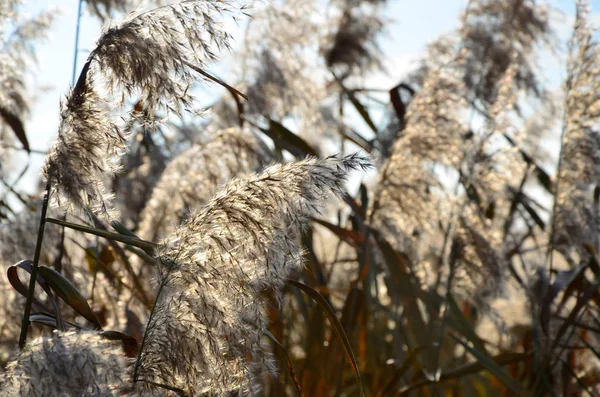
(555, 204)
(138, 360)
(34, 271)
(136, 242)
(76, 50)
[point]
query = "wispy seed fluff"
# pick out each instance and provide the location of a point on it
(432, 135)
(17, 35)
(77, 164)
(153, 54)
(353, 45)
(103, 9)
(150, 56)
(575, 219)
(191, 179)
(66, 364)
(206, 333)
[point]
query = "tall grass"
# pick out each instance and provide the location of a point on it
(227, 257)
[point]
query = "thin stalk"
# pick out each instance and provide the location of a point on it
(61, 249)
(13, 191)
(34, 151)
(440, 344)
(138, 360)
(565, 126)
(34, 271)
(549, 252)
(515, 202)
(145, 245)
(216, 80)
(97, 258)
(76, 50)
(341, 123)
(58, 262)
(176, 390)
(597, 217)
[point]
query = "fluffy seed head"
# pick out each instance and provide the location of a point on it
(579, 173)
(150, 55)
(206, 334)
(191, 179)
(66, 364)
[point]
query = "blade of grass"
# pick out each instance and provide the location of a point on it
(349, 236)
(541, 175)
(357, 105)
(34, 269)
(405, 290)
(396, 100)
(463, 326)
(120, 228)
(13, 278)
(563, 280)
(492, 367)
(49, 320)
(129, 343)
(293, 139)
(216, 80)
(286, 139)
(410, 360)
(68, 293)
(15, 282)
(469, 369)
(337, 327)
(145, 245)
(16, 124)
(360, 141)
(288, 362)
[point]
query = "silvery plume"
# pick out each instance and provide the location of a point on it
(153, 56)
(282, 64)
(352, 44)
(439, 153)
(17, 34)
(66, 364)
(16, 244)
(478, 259)
(434, 127)
(494, 36)
(103, 9)
(499, 35)
(206, 332)
(576, 220)
(192, 177)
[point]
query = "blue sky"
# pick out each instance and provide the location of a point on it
(414, 25)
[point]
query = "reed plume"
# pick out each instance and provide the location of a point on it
(433, 132)
(17, 35)
(141, 170)
(103, 9)
(278, 59)
(66, 364)
(498, 35)
(206, 332)
(154, 56)
(191, 179)
(452, 168)
(575, 218)
(11, 312)
(352, 45)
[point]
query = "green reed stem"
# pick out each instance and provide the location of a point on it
(34, 271)
(147, 246)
